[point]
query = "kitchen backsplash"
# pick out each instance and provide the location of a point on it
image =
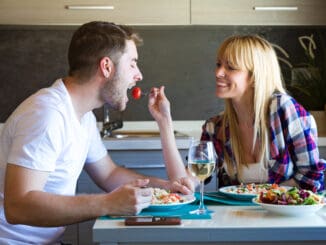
(180, 57)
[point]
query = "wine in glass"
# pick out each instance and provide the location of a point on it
(201, 164)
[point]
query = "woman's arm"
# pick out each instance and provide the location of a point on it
(159, 106)
(294, 141)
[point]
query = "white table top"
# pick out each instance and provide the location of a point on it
(228, 223)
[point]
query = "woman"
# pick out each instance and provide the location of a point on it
(263, 135)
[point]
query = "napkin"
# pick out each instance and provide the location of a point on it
(183, 212)
(213, 198)
(210, 198)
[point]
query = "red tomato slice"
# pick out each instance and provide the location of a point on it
(136, 93)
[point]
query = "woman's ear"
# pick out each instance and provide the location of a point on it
(106, 66)
(251, 80)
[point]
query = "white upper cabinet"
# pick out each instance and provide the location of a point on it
(258, 12)
(76, 12)
(164, 12)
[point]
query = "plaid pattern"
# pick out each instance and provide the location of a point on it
(293, 145)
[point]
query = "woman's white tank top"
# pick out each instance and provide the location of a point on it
(254, 173)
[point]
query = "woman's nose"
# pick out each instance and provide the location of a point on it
(219, 72)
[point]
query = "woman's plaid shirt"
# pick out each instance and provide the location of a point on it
(293, 145)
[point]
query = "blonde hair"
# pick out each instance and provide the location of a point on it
(257, 56)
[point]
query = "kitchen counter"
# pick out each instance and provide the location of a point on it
(228, 224)
(190, 128)
(186, 130)
(148, 143)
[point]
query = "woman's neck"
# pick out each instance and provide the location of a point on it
(245, 112)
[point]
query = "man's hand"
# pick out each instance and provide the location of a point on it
(130, 199)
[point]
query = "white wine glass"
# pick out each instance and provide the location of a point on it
(201, 164)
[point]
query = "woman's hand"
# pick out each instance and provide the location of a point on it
(159, 105)
(183, 185)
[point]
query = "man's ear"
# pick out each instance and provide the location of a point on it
(106, 66)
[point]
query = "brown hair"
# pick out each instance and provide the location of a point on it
(95, 40)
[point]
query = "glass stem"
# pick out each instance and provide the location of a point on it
(201, 203)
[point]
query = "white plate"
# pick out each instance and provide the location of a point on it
(164, 207)
(290, 210)
(240, 196)
(229, 191)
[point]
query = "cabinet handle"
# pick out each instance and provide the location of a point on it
(89, 7)
(135, 166)
(276, 8)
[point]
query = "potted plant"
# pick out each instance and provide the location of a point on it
(308, 79)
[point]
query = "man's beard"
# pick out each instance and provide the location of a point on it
(112, 94)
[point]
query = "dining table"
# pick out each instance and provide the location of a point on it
(230, 221)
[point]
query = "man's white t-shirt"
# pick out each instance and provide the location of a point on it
(44, 134)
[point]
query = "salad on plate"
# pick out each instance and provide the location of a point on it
(161, 196)
(290, 202)
(246, 191)
(251, 188)
(293, 196)
(163, 200)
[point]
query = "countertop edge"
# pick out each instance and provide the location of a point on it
(189, 127)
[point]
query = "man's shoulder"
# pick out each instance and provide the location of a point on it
(54, 95)
(44, 106)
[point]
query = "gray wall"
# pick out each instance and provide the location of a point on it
(181, 58)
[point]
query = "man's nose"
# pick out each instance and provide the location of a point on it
(138, 76)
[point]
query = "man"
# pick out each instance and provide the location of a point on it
(52, 136)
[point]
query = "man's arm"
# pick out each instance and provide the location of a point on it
(26, 203)
(108, 176)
